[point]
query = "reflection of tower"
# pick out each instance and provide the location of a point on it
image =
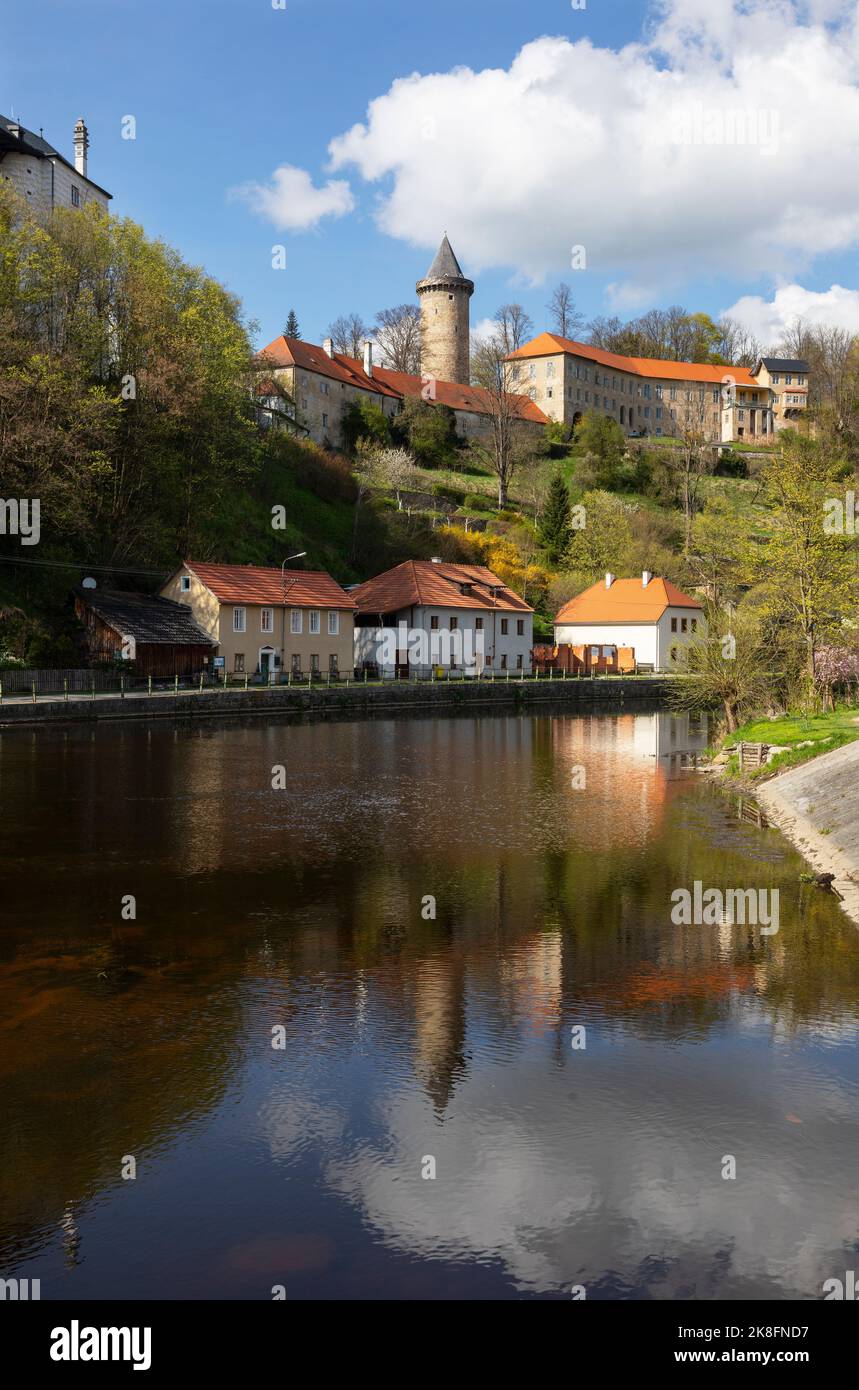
(440, 1028)
(444, 293)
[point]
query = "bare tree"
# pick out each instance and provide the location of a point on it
(349, 332)
(690, 419)
(564, 315)
(498, 378)
(398, 334)
(514, 326)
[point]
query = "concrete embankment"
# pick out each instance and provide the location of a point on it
(611, 694)
(817, 807)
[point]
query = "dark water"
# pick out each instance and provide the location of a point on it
(408, 1039)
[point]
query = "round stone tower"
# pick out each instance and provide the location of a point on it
(444, 293)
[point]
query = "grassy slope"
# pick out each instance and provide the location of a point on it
(821, 732)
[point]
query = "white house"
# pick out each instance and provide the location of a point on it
(42, 175)
(425, 614)
(649, 614)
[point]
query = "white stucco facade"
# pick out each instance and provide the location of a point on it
(658, 644)
(465, 639)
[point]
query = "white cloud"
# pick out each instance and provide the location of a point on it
(769, 319)
(580, 145)
(291, 202)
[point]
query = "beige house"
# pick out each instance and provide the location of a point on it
(648, 396)
(787, 379)
(265, 622)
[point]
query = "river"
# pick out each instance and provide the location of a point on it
(416, 1022)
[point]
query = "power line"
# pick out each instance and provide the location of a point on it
(77, 565)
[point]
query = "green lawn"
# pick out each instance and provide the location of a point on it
(821, 732)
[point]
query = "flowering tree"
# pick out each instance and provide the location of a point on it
(835, 668)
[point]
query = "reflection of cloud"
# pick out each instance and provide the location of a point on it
(625, 1180)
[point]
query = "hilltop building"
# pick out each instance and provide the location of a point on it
(44, 176)
(648, 395)
(444, 293)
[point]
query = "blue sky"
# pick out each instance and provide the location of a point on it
(226, 91)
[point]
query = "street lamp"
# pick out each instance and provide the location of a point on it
(286, 593)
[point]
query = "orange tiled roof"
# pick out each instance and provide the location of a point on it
(627, 601)
(255, 584)
(424, 584)
(550, 344)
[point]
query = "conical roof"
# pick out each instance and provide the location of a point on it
(446, 266)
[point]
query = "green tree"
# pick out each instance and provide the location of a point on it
(292, 329)
(364, 420)
(555, 526)
(604, 445)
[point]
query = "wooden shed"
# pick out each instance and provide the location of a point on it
(157, 636)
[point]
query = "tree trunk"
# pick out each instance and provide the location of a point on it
(731, 716)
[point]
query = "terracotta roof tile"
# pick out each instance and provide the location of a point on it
(424, 584)
(627, 601)
(551, 344)
(254, 584)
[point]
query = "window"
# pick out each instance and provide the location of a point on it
(673, 624)
(673, 653)
(519, 663)
(694, 624)
(776, 380)
(239, 663)
(659, 412)
(315, 624)
(659, 390)
(454, 623)
(266, 620)
(478, 624)
(550, 369)
(716, 394)
(788, 381)
(647, 412)
(324, 420)
(332, 664)
(684, 626)
(672, 393)
(296, 664)
(325, 388)
(434, 624)
(314, 663)
(520, 627)
(185, 585)
(296, 625)
(504, 626)
(549, 393)
(76, 197)
(504, 663)
(333, 624)
(239, 619)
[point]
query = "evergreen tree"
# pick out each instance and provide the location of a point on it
(292, 329)
(555, 528)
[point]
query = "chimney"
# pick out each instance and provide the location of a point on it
(368, 357)
(609, 580)
(437, 560)
(81, 140)
(328, 347)
(646, 577)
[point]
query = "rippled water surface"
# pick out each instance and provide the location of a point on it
(298, 917)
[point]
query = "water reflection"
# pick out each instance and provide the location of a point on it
(406, 1036)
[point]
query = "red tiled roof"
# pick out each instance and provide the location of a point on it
(627, 601)
(550, 344)
(473, 398)
(254, 584)
(424, 584)
(294, 352)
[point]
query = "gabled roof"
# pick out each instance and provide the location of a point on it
(146, 617)
(423, 583)
(255, 584)
(294, 352)
(550, 344)
(782, 364)
(471, 398)
(16, 139)
(627, 601)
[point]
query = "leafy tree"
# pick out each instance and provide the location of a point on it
(429, 431)
(555, 526)
(604, 444)
(364, 420)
